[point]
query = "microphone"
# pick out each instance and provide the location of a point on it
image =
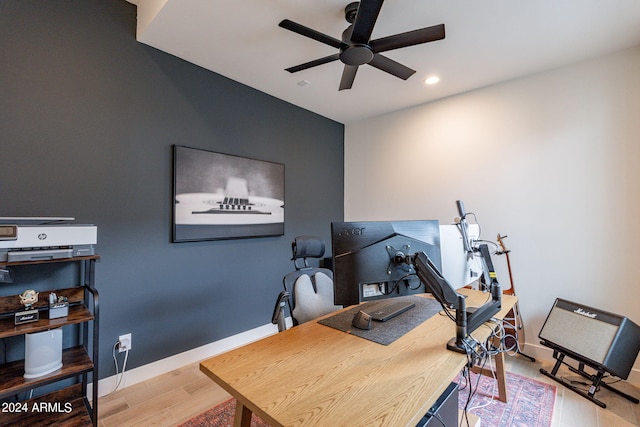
(462, 225)
(461, 210)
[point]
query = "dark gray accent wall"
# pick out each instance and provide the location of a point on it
(88, 117)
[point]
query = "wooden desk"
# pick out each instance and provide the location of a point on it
(314, 375)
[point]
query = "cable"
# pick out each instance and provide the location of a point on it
(491, 243)
(124, 366)
(409, 283)
(515, 348)
(406, 277)
(436, 416)
(447, 311)
(467, 376)
(479, 354)
(464, 383)
(493, 388)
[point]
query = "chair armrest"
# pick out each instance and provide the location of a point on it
(278, 317)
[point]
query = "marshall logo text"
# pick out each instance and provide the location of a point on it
(585, 313)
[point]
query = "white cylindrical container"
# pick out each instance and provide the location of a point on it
(43, 353)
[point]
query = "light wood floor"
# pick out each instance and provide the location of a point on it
(172, 398)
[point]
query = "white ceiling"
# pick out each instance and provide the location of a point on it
(487, 41)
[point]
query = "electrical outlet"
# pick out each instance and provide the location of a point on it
(125, 342)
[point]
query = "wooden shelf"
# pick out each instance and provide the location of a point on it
(77, 314)
(62, 408)
(67, 406)
(75, 361)
(4, 264)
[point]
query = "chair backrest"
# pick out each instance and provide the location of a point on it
(310, 288)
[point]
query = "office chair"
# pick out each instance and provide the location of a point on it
(308, 291)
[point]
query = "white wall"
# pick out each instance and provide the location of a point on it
(550, 160)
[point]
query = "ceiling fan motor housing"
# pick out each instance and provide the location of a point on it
(354, 53)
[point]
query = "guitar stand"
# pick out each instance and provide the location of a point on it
(519, 353)
(517, 319)
(596, 380)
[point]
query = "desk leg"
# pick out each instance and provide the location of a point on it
(243, 416)
(500, 374)
(501, 377)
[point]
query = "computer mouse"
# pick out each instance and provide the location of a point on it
(361, 320)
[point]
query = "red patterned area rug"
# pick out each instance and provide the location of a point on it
(530, 405)
(529, 402)
(220, 416)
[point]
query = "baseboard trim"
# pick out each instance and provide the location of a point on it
(159, 367)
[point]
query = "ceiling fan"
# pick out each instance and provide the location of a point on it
(356, 46)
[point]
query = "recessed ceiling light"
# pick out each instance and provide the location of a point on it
(303, 83)
(431, 80)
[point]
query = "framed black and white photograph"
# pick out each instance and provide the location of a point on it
(222, 196)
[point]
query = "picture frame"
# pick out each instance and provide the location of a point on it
(219, 196)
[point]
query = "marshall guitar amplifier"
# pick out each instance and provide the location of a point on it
(600, 339)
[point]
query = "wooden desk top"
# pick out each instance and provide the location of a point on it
(314, 375)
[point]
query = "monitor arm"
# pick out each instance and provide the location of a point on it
(467, 320)
(446, 295)
(491, 279)
(435, 282)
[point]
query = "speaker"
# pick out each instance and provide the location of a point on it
(598, 338)
(43, 353)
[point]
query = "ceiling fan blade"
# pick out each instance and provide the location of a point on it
(313, 63)
(366, 17)
(409, 38)
(348, 76)
(390, 66)
(311, 33)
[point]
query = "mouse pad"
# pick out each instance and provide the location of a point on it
(386, 332)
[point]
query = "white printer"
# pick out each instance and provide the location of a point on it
(37, 238)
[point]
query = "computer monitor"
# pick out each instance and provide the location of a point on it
(369, 258)
(382, 259)
(460, 267)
